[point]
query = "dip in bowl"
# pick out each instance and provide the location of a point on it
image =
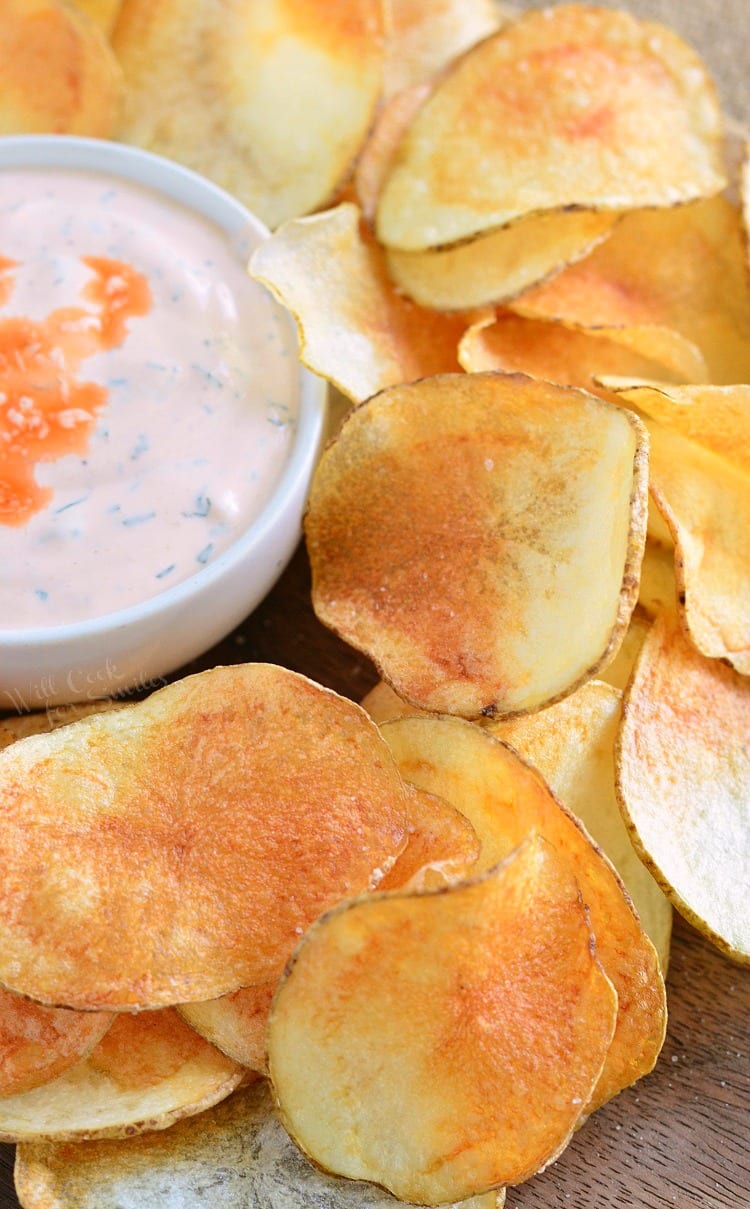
(157, 433)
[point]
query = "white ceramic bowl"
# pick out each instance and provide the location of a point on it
(139, 644)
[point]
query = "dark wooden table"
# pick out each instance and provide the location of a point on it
(679, 1137)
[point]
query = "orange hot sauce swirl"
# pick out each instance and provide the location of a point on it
(46, 412)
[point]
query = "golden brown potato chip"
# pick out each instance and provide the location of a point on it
(176, 850)
(238, 1150)
(497, 266)
(572, 744)
(375, 158)
(382, 704)
(617, 673)
(148, 1071)
(456, 524)
(272, 99)
(681, 270)
(716, 417)
(684, 782)
(629, 118)
(39, 1043)
(355, 329)
(442, 845)
(58, 74)
(506, 800)
(423, 36)
(444, 1042)
(235, 1023)
(700, 480)
(549, 350)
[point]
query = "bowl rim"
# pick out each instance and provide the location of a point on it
(201, 195)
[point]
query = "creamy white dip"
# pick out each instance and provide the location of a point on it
(193, 426)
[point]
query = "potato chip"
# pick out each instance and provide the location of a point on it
(455, 526)
(148, 1071)
(375, 158)
(423, 36)
(39, 1043)
(572, 744)
(554, 352)
(684, 782)
(442, 845)
(77, 82)
(716, 417)
(355, 329)
(272, 99)
(618, 672)
(700, 480)
(175, 850)
(658, 530)
(629, 118)
(235, 1023)
(444, 1042)
(506, 801)
(497, 266)
(681, 270)
(237, 1149)
(382, 704)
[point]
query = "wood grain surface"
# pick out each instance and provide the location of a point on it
(681, 1136)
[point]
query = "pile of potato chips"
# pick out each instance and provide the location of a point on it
(576, 496)
(243, 875)
(401, 930)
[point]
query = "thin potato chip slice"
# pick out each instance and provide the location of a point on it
(39, 1043)
(681, 270)
(442, 845)
(629, 118)
(618, 672)
(237, 1149)
(700, 480)
(572, 744)
(506, 801)
(77, 83)
(423, 36)
(497, 266)
(235, 1023)
(716, 417)
(684, 782)
(375, 158)
(556, 353)
(148, 1071)
(382, 704)
(452, 524)
(272, 99)
(355, 329)
(442, 1043)
(213, 822)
